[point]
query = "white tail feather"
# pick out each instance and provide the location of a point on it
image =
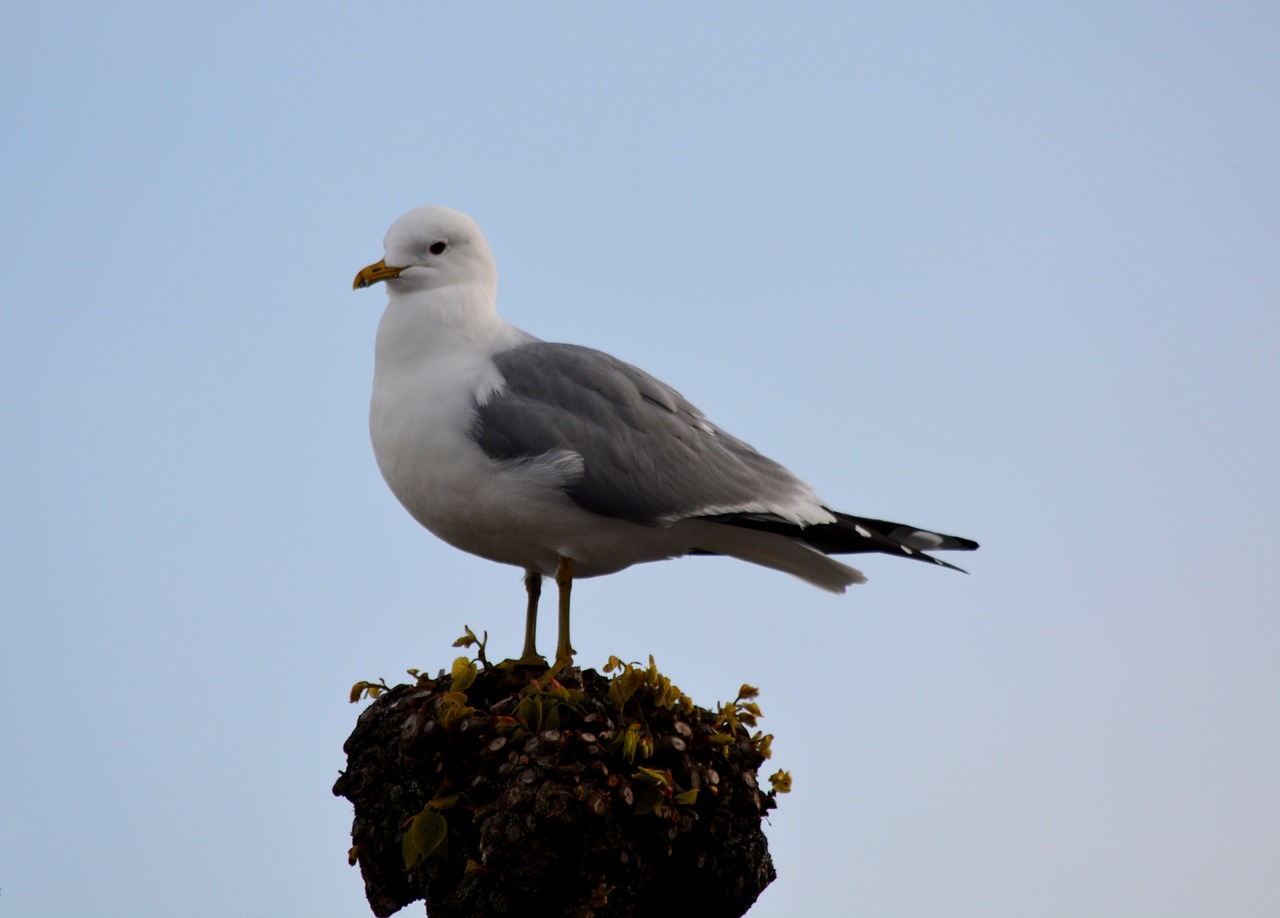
(782, 554)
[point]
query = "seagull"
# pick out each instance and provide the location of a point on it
(567, 462)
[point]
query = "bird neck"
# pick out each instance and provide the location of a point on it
(425, 322)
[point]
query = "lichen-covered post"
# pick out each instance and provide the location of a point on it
(485, 793)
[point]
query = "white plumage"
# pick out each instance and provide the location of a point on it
(565, 461)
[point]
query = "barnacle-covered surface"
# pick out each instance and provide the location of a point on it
(486, 793)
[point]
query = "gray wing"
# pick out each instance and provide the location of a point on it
(648, 455)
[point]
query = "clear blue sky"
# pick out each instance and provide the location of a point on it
(1010, 271)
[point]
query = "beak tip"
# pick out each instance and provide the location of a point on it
(374, 274)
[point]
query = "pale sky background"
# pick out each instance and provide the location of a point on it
(1006, 270)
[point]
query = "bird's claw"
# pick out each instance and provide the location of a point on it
(534, 661)
(561, 664)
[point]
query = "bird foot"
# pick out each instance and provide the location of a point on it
(561, 664)
(532, 661)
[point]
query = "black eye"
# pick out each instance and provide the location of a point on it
(438, 248)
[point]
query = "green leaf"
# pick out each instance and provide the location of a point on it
(440, 804)
(629, 740)
(655, 775)
(464, 673)
(649, 800)
(427, 834)
(687, 797)
(372, 689)
(624, 685)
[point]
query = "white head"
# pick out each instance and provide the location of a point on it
(431, 248)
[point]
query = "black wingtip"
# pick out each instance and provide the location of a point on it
(947, 564)
(856, 535)
(915, 554)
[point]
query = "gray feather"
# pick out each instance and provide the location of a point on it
(648, 455)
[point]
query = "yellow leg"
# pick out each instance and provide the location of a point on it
(564, 650)
(533, 586)
(564, 580)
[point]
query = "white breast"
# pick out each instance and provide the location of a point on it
(429, 375)
(428, 378)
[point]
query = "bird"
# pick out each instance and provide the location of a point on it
(567, 462)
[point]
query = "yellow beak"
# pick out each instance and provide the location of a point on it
(373, 274)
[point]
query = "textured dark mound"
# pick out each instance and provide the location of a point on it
(613, 798)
